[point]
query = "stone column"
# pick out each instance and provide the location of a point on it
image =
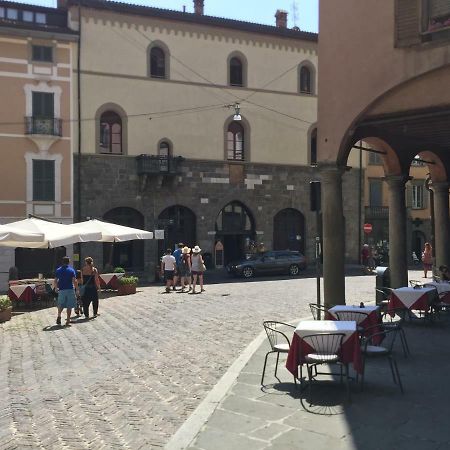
(398, 260)
(441, 224)
(333, 236)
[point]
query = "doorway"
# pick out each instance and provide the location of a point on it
(289, 230)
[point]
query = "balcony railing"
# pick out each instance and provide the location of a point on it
(158, 165)
(43, 125)
(377, 212)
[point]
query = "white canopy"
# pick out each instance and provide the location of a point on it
(8, 234)
(112, 232)
(54, 234)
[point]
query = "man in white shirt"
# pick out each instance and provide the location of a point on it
(168, 264)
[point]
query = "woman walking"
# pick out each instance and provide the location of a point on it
(198, 267)
(427, 259)
(91, 283)
(185, 269)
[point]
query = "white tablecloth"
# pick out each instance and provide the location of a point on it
(19, 288)
(106, 277)
(352, 308)
(409, 295)
(306, 327)
(441, 287)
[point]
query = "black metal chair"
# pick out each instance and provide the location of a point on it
(385, 293)
(275, 336)
(318, 311)
(356, 316)
(394, 319)
(326, 349)
(414, 283)
(379, 345)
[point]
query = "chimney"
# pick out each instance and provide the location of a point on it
(281, 18)
(198, 7)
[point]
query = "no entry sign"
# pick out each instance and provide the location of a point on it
(367, 228)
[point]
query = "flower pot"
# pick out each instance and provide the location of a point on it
(6, 314)
(127, 289)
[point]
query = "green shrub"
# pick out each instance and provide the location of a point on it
(128, 280)
(119, 270)
(5, 302)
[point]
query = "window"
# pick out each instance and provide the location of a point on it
(41, 18)
(12, 14)
(235, 142)
(305, 80)
(42, 53)
(2, 12)
(27, 16)
(417, 196)
(157, 63)
(43, 105)
(110, 133)
(375, 159)
(236, 72)
(43, 180)
(164, 156)
(313, 147)
(375, 193)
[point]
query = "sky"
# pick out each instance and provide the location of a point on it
(259, 11)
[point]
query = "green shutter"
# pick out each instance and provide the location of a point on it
(43, 180)
(407, 23)
(408, 193)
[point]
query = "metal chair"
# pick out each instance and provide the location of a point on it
(357, 316)
(275, 335)
(326, 349)
(371, 348)
(385, 293)
(394, 319)
(317, 311)
(414, 283)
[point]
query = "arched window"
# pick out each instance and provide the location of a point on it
(236, 72)
(157, 63)
(164, 156)
(305, 80)
(235, 142)
(110, 133)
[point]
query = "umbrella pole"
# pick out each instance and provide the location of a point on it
(111, 253)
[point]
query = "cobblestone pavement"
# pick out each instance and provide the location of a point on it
(129, 378)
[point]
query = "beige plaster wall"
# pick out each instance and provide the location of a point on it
(274, 137)
(359, 63)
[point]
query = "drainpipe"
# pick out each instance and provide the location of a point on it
(78, 214)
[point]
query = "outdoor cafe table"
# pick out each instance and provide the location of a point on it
(442, 288)
(110, 280)
(350, 350)
(21, 292)
(411, 298)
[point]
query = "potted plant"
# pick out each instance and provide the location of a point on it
(127, 285)
(119, 270)
(5, 308)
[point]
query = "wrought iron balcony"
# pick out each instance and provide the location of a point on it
(49, 126)
(158, 165)
(377, 212)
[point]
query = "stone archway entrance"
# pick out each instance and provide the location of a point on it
(179, 225)
(289, 230)
(235, 227)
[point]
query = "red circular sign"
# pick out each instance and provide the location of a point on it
(367, 228)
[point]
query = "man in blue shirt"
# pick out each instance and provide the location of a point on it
(177, 255)
(66, 283)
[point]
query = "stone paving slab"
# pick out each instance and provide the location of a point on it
(130, 378)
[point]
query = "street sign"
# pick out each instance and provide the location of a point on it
(367, 228)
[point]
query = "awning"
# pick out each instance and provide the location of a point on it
(9, 234)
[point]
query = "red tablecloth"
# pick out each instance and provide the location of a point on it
(411, 298)
(350, 351)
(26, 295)
(109, 281)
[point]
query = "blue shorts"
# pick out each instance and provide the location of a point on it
(67, 298)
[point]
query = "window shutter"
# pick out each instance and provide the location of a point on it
(407, 23)
(426, 196)
(408, 195)
(43, 180)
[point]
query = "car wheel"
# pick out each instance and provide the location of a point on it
(293, 270)
(248, 272)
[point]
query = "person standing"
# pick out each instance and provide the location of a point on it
(198, 267)
(177, 255)
(427, 258)
(91, 283)
(168, 264)
(66, 283)
(185, 269)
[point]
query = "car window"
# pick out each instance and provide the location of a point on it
(269, 256)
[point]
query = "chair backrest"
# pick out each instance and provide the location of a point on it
(357, 316)
(388, 337)
(274, 335)
(324, 343)
(397, 315)
(434, 296)
(316, 309)
(414, 283)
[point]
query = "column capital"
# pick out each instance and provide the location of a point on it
(440, 187)
(396, 180)
(331, 173)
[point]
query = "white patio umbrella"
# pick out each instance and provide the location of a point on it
(111, 232)
(54, 234)
(8, 234)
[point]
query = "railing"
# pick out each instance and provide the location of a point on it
(377, 212)
(43, 125)
(158, 165)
